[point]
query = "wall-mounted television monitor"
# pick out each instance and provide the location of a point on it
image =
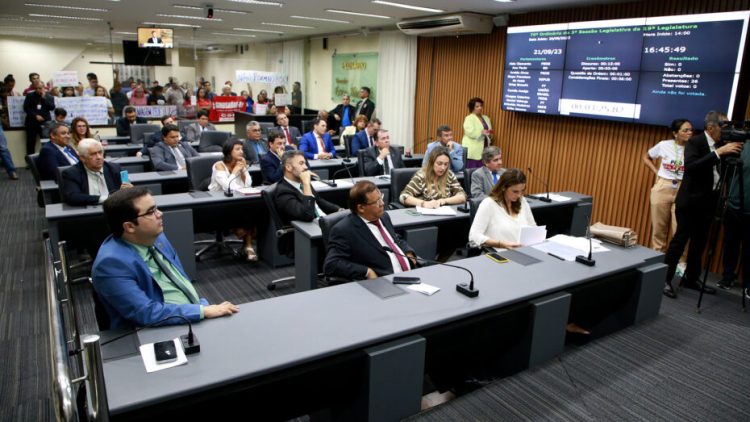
(155, 37)
(643, 70)
(134, 55)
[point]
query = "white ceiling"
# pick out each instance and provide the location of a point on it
(125, 15)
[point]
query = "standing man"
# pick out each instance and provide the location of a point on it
(171, 154)
(317, 144)
(445, 138)
(33, 79)
(382, 157)
(364, 245)
(5, 156)
(342, 115)
(365, 138)
(138, 275)
(291, 133)
(193, 132)
(696, 202)
(365, 105)
(484, 178)
(123, 123)
(295, 197)
(92, 180)
(37, 110)
(296, 98)
(56, 153)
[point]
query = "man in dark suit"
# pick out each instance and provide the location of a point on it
(123, 123)
(342, 115)
(37, 108)
(484, 178)
(56, 153)
(170, 154)
(357, 244)
(317, 144)
(295, 197)
(155, 137)
(365, 105)
(696, 201)
(91, 180)
(270, 164)
(382, 157)
(365, 138)
(193, 132)
(291, 133)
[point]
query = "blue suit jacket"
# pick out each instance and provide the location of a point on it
(309, 145)
(128, 291)
(271, 168)
(50, 158)
(359, 142)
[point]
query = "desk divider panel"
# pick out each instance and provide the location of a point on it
(423, 240)
(178, 227)
(648, 292)
(580, 220)
(547, 327)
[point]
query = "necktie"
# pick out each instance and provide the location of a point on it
(177, 281)
(71, 154)
(321, 144)
(179, 157)
(369, 140)
(103, 191)
(288, 137)
(386, 166)
(401, 259)
(494, 177)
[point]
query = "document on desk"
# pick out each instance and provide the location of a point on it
(149, 357)
(316, 184)
(344, 183)
(568, 247)
(558, 198)
(248, 191)
(424, 288)
(437, 211)
(531, 235)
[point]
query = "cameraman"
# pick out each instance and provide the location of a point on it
(696, 201)
(740, 213)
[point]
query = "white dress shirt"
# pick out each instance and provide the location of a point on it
(392, 256)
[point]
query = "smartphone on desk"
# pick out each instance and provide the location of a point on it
(165, 351)
(406, 280)
(497, 257)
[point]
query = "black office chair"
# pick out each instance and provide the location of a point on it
(61, 182)
(399, 179)
(361, 162)
(213, 140)
(138, 130)
(284, 234)
(266, 127)
(348, 144)
(326, 224)
(306, 126)
(472, 250)
(467, 178)
(183, 125)
(199, 171)
(31, 161)
(465, 157)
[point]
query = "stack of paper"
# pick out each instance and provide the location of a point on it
(568, 247)
(532, 235)
(248, 191)
(444, 210)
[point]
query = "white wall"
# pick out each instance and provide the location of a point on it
(318, 89)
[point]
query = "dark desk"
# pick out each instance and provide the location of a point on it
(374, 350)
(308, 243)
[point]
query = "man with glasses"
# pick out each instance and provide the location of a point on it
(138, 275)
(695, 203)
(364, 245)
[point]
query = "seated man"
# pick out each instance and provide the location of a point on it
(254, 146)
(317, 144)
(138, 275)
(193, 132)
(123, 123)
(381, 158)
(270, 164)
(365, 138)
(155, 137)
(92, 180)
(56, 153)
(445, 138)
(342, 115)
(170, 154)
(357, 244)
(60, 115)
(291, 133)
(484, 178)
(295, 197)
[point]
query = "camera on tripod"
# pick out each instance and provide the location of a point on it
(735, 131)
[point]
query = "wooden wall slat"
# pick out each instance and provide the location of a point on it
(594, 157)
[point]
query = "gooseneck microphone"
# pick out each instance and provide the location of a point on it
(587, 260)
(466, 289)
(189, 341)
(228, 193)
(546, 188)
(316, 178)
(345, 169)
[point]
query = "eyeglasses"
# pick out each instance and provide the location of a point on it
(150, 212)
(381, 199)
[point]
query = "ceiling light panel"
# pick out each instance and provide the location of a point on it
(286, 25)
(257, 30)
(233, 35)
(259, 2)
(180, 25)
(78, 18)
(408, 6)
(57, 6)
(367, 15)
(197, 18)
(319, 19)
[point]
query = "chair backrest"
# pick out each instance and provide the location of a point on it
(183, 125)
(266, 127)
(138, 130)
(285, 244)
(361, 162)
(467, 179)
(307, 126)
(465, 156)
(213, 140)
(348, 144)
(61, 182)
(31, 161)
(327, 222)
(399, 179)
(199, 171)
(474, 206)
(399, 148)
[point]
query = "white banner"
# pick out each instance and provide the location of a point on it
(256, 76)
(282, 99)
(93, 109)
(16, 115)
(155, 111)
(63, 78)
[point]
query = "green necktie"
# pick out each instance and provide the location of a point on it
(171, 276)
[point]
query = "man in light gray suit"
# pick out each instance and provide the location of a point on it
(484, 178)
(193, 132)
(170, 154)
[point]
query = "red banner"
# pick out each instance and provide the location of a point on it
(223, 108)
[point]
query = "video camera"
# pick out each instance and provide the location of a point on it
(735, 131)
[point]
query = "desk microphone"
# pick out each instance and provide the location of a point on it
(466, 289)
(587, 260)
(228, 193)
(316, 178)
(189, 341)
(546, 187)
(346, 169)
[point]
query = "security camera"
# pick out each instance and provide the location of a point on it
(209, 11)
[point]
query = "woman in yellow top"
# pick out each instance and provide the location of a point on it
(477, 128)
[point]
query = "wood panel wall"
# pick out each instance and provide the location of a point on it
(594, 157)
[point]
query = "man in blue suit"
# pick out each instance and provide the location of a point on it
(137, 274)
(365, 138)
(270, 164)
(56, 153)
(317, 144)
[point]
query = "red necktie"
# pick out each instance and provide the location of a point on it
(322, 143)
(401, 259)
(288, 138)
